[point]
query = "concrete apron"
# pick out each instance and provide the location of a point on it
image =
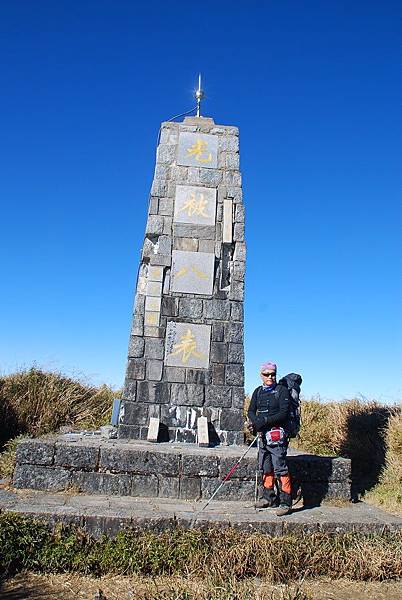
(109, 514)
(97, 466)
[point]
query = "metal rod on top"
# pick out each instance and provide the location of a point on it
(199, 95)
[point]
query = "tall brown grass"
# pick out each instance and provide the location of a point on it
(36, 402)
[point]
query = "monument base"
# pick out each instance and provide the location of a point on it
(94, 465)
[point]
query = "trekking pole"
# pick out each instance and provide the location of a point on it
(256, 490)
(226, 478)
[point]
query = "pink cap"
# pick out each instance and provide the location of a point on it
(268, 366)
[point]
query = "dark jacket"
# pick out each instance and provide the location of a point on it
(269, 409)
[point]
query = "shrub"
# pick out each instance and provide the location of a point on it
(218, 554)
(36, 402)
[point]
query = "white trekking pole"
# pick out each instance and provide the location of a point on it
(226, 478)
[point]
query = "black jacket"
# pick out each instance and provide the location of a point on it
(269, 409)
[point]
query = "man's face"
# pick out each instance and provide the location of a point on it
(268, 377)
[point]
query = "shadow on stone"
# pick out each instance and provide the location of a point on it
(365, 445)
(213, 436)
(163, 433)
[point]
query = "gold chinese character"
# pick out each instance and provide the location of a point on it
(187, 346)
(195, 207)
(184, 271)
(198, 150)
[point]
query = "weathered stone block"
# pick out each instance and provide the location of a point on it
(238, 232)
(165, 207)
(155, 224)
(232, 490)
(162, 260)
(236, 290)
(35, 452)
(199, 465)
(231, 420)
(134, 413)
(102, 483)
(136, 368)
(168, 487)
(154, 370)
(154, 393)
(169, 306)
(218, 332)
(145, 486)
(187, 394)
(238, 397)
(154, 348)
(239, 213)
(159, 187)
(165, 153)
(202, 232)
(213, 177)
(235, 374)
(153, 206)
(136, 347)
(190, 308)
(218, 395)
(186, 244)
(233, 438)
(240, 251)
(246, 469)
(236, 311)
(190, 488)
(197, 376)
(129, 432)
(218, 374)
(41, 478)
(130, 390)
(217, 309)
(77, 457)
(236, 353)
(174, 374)
(219, 352)
(236, 332)
(206, 246)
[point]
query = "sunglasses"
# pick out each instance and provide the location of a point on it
(269, 374)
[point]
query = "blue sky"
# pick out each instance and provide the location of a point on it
(316, 92)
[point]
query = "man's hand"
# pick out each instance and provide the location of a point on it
(250, 427)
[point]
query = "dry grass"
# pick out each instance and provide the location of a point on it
(388, 493)
(36, 402)
(71, 587)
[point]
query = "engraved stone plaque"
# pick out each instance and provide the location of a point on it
(192, 272)
(198, 150)
(187, 345)
(195, 205)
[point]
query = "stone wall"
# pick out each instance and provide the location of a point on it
(135, 468)
(186, 351)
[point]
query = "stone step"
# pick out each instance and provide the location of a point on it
(110, 514)
(94, 465)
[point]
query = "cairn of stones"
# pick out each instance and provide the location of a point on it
(186, 349)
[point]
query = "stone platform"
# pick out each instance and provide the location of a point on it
(109, 514)
(99, 466)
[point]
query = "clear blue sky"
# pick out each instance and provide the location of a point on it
(315, 89)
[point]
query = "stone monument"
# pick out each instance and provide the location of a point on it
(186, 351)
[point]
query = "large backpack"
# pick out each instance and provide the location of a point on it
(293, 382)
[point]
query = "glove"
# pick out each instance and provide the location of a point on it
(250, 427)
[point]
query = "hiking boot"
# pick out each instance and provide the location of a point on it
(268, 499)
(283, 509)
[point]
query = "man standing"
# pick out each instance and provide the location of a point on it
(269, 412)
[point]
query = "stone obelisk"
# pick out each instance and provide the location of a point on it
(186, 350)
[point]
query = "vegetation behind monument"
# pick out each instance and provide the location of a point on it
(35, 402)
